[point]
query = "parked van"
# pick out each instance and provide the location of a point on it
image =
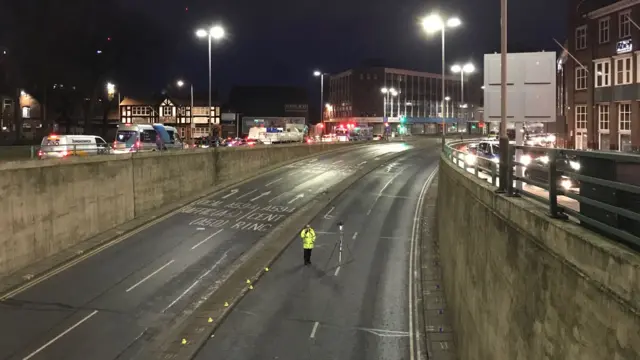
(143, 137)
(60, 146)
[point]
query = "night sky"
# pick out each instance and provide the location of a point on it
(282, 41)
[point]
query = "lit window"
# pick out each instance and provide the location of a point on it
(581, 78)
(581, 37)
(624, 24)
(167, 111)
(603, 30)
(581, 117)
(602, 72)
(623, 70)
(624, 117)
(603, 117)
(26, 112)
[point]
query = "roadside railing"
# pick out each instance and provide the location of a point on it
(600, 190)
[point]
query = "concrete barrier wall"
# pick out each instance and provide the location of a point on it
(523, 286)
(48, 206)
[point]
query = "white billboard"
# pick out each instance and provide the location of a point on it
(531, 87)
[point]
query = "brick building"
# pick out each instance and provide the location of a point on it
(603, 85)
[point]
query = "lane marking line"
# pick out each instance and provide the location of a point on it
(313, 331)
(207, 239)
(354, 235)
(383, 189)
(181, 295)
(246, 194)
(149, 276)
(362, 163)
(337, 271)
(414, 334)
(91, 253)
(327, 216)
(247, 214)
(273, 182)
(337, 162)
(277, 197)
(60, 335)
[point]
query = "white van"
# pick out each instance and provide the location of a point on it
(61, 146)
(142, 137)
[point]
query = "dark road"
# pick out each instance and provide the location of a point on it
(359, 310)
(101, 307)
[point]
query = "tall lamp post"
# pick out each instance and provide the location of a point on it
(320, 74)
(387, 95)
(214, 33)
(462, 69)
(192, 126)
(432, 24)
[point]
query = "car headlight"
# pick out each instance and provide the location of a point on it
(470, 159)
(566, 183)
(525, 160)
(574, 165)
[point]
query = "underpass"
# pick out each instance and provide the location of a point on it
(107, 305)
(362, 308)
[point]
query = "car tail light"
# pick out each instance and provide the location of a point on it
(40, 153)
(65, 153)
(115, 143)
(138, 144)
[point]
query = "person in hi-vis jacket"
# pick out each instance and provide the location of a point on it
(308, 240)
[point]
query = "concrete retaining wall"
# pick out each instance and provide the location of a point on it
(48, 206)
(523, 286)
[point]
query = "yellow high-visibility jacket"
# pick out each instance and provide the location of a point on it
(308, 238)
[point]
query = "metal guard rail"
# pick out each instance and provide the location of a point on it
(620, 219)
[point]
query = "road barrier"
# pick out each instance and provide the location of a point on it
(604, 186)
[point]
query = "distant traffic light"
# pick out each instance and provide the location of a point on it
(473, 126)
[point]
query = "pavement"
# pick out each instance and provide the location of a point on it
(103, 307)
(356, 309)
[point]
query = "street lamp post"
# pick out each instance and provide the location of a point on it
(432, 24)
(192, 126)
(215, 33)
(321, 75)
(462, 69)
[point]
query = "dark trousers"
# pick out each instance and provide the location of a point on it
(307, 256)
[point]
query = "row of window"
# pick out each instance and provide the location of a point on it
(604, 33)
(624, 117)
(167, 111)
(622, 72)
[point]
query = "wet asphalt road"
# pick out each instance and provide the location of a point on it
(102, 307)
(357, 311)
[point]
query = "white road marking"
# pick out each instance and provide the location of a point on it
(326, 232)
(276, 197)
(383, 188)
(354, 235)
(261, 195)
(150, 275)
(414, 334)
(200, 229)
(313, 331)
(327, 216)
(247, 194)
(385, 333)
(197, 281)
(273, 182)
(296, 198)
(337, 271)
(338, 162)
(247, 214)
(230, 193)
(362, 163)
(207, 239)
(181, 295)
(60, 335)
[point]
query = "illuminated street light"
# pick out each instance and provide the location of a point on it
(432, 24)
(320, 74)
(447, 98)
(462, 69)
(216, 33)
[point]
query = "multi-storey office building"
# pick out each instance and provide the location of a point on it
(355, 96)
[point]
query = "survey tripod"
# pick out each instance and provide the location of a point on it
(340, 245)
